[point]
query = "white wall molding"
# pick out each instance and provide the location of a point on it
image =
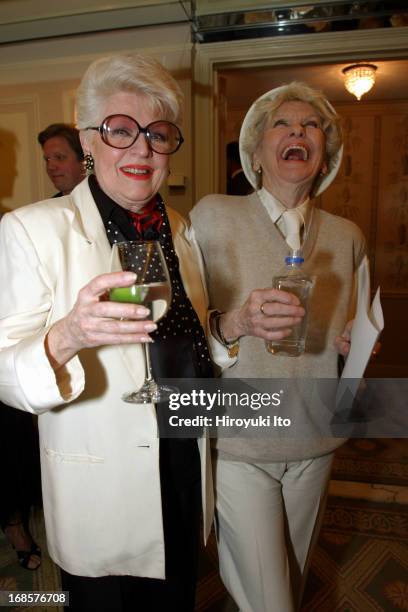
(26, 20)
(37, 10)
(68, 58)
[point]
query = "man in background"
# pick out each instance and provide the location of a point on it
(63, 156)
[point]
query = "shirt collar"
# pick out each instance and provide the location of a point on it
(110, 211)
(275, 208)
(106, 206)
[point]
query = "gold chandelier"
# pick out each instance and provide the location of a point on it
(359, 78)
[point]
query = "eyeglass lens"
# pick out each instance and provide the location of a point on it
(121, 132)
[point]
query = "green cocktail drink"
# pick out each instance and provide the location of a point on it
(155, 296)
(136, 294)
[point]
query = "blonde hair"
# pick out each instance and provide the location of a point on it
(133, 73)
(264, 110)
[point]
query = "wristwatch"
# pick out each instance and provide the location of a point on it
(232, 346)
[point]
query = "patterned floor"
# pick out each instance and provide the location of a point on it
(360, 563)
(374, 460)
(361, 560)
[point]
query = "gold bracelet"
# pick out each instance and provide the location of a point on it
(232, 346)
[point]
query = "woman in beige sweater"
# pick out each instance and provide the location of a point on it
(270, 492)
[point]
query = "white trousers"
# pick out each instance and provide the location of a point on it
(268, 517)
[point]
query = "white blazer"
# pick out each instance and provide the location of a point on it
(99, 455)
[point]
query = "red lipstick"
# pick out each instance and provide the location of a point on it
(137, 172)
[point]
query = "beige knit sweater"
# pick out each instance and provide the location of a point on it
(243, 250)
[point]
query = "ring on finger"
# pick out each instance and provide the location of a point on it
(261, 308)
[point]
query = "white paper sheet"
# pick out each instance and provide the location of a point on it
(367, 326)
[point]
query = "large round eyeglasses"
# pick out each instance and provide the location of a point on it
(121, 131)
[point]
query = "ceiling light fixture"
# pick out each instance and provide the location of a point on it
(359, 78)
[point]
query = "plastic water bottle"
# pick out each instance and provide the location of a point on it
(292, 279)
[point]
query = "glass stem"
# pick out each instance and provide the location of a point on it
(148, 368)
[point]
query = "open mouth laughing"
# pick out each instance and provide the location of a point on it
(295, 152)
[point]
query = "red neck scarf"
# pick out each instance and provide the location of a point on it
(148, 219)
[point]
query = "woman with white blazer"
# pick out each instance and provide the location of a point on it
(121, 505)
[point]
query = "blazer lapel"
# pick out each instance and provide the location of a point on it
(189, 268)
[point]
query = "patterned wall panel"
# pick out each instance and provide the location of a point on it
(371, 188)
(392, 217)
(351, 194)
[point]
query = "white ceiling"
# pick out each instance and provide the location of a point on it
(391, 81)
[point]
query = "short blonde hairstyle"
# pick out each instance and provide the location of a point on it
(133, 73)
(264, 110)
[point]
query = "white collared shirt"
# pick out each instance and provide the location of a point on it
(275, 209)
